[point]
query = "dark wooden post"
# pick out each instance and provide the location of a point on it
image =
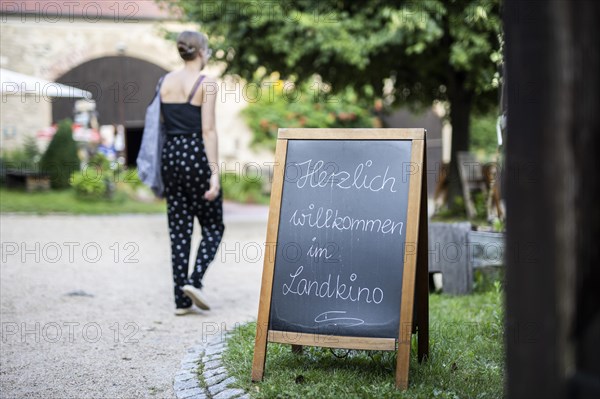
(553, 199)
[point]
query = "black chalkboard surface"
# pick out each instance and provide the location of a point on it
(348, 222)
(342, 228)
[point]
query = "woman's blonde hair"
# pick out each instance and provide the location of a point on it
(189, 43)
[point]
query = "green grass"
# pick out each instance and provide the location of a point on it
(466, 359)
(64, 201)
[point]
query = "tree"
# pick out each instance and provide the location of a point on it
(428, 50)
(60, 158)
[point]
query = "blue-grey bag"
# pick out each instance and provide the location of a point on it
(153, 138)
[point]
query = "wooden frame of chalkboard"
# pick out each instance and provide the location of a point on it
(412, 279)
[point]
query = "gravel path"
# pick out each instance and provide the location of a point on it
(87, 303)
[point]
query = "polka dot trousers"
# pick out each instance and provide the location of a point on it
(186, 174)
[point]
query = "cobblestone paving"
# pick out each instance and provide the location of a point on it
(214, 382)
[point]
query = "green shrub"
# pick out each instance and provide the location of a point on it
(484, 140)
(128, 183)
(456, 211)
(26, 157)
(14, 158)
(243, 188)
(480, 202)
(31, 151)
(498, 225)
(488, 278)
(87, 187)
(282, 105)
(60, 159)
(95, 181)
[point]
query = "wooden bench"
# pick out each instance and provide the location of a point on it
(30, 179)
(456, 251)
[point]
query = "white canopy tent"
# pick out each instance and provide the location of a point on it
(14, 83)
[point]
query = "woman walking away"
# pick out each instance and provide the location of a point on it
(189, 168)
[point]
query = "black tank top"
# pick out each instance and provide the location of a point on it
(183, 118)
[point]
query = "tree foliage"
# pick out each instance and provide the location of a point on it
(60, 158)
(418, 44)
(304, 106)
(407, 52)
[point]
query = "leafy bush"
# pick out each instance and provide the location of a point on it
(14, 158)
(280, 105)
(96, 179)
(486, 279)
(480, 202)
(87, 187)
(498, 225)
(60, 159)
(31, 151)
(484, 141)
(26, 157)
(27, 154)
(456, 211)
(243, 189)
(128, 183)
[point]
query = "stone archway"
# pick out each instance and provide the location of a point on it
(122, 87)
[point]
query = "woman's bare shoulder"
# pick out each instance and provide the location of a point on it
(212, 81)
(209, 79)
(168, 84)
(168, 77)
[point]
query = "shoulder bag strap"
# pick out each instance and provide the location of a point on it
(195, 88)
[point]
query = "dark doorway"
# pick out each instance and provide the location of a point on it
(133, 141)
(122, 87)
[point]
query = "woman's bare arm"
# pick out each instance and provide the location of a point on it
(209, 134)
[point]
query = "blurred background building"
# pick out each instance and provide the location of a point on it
(116, 51)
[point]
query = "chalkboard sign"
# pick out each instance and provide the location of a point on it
(345, 212)
(341, 238)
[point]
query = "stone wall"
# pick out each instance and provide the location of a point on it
(47, 47)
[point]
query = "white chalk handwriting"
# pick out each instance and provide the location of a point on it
(321, 218)
(325, 289)
(320, 175)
